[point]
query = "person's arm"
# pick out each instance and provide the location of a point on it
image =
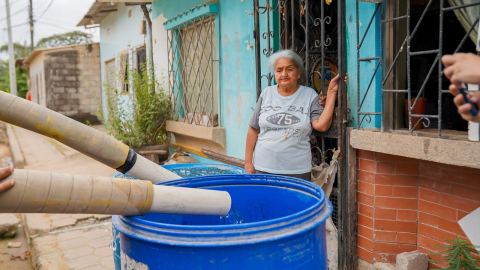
(463, 67)
(252, 137)
(4, 173)
(324, 122)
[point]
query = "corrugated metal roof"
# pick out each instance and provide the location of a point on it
(97, 12)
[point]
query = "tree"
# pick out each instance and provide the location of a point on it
(69, 38)
(22, 86)
(20, 51)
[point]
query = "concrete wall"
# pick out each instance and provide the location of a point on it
(123, 34)
(73, 82)
(37, 80)
(237, 88)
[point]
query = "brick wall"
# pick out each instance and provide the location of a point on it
(405, 204)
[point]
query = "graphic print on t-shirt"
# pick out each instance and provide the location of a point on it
(283, 119)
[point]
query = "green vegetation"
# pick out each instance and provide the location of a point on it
(458, 255)
(138, 117)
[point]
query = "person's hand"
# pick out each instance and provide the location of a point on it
(464, 108)
(462, 67)
(332, 86)
(8, 184)
(249, 168)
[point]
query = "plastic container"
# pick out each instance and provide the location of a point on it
(184, 171)
(275, 223)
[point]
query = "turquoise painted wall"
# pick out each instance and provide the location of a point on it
(124, 34)
(237, 70)
(370, 48)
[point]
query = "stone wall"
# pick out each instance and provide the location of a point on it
(407, 204)
(73, 82)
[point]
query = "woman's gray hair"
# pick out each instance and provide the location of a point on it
(290, 55)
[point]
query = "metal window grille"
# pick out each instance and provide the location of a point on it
(192, 74)
(385, 66)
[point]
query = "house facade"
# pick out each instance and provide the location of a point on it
(67, 80)
(398, 188)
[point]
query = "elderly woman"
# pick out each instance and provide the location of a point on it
(280, 127)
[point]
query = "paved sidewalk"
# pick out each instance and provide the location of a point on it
(64, 241)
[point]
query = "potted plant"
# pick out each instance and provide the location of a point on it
(420, 108)
(138, 118)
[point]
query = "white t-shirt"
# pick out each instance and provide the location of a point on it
(283, 144)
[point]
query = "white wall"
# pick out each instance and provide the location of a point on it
(37, 80)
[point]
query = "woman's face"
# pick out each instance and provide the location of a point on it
(286, 73)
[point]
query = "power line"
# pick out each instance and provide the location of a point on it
(53, 25)
(11, 15)
(45, 10)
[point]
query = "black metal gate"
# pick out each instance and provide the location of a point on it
(314, 29)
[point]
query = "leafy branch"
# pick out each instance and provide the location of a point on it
(458, 255)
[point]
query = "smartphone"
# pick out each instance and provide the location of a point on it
(463, 91)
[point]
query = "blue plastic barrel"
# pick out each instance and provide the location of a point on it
(184, 171)
(275, 223)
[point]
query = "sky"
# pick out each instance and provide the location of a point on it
(50, 16)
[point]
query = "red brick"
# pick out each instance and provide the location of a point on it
(435, 233)
(407, 238)
(450, 226)
(365, 198)
(365, 209)
(456, 168)
(405, 192)
(365, 232)
(410, 215)
(431, 171)
(383, 257)
(427, 242)
(394, 225)
(386, 167)
(365, 254)
(438, 265)
(432, 184)
(397, 203)
(407, 168)
(437, 209)
(461, 214)
(366, 154)
(460, 177)
(383, 213)
(365, 243)
(365, 221)
(427, 219)
(385, 236)
(459, 203)
(365, 176)
(367, 165)
(396, 180)
(381, 190)
(429, 195)
(366, 187)
(392, 158)
(466, 192)
(392, 248)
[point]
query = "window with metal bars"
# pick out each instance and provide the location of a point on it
(192, 73)
(413, 36)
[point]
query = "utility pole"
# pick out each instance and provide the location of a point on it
(31, 26)
(11, 64)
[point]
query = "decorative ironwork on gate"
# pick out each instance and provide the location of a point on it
(314, 29)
